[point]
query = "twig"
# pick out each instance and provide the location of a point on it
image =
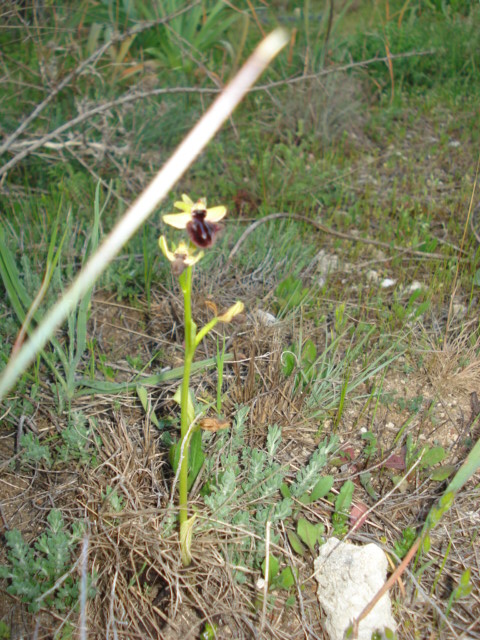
(462, 244)
(129, 97)
(266, 577)
(345, 67)
(96, 55)
(472, 227)
(333, 232)
(140, 95)
(84, 589)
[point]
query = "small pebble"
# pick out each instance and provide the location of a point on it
(387, 282)
(415, 286)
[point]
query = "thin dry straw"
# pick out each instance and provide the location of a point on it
(84, 589)
(166, 178)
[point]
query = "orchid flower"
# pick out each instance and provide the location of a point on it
(200, 222)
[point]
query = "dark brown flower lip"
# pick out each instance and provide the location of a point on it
(202, 232)
(199, 213)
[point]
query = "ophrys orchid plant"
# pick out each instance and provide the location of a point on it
(202, 227)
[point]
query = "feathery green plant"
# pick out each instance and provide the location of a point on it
(41, 574)
(246, 488)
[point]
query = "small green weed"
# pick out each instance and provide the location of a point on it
(429, 456)
(209, 632)
(290, 294)
(462, 590)
(197, 33)
(40, 574)
(342, 502)
(250, 490)
(284, 579)
(66, 360)
(78, 441)
(33, 451)
(401, 547)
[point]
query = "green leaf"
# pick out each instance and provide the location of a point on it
(426, 544)
(345, 497)
(296, 543)
(322, 487)
(432, 457)
(310, 533)
(143, 396)
(273, 566)
(196, 458)
(309, 352)
(289, 363)
(476, 278)
(142, 393)
(286, 579)
(305, 498)
(366, 480)
(465, 578)
(442, 473)
(190, 406)
(285, 490)
(186, 535)
(209, 632)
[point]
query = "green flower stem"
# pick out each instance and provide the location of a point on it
(190, 346)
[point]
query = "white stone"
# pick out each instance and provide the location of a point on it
(387, 282)
(414, 286)
(325, 264)
(348, 578)
(372, 276)
(459, 310)
(265, 317)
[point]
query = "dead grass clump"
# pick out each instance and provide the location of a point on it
(142, 589)
(455, 366)
(326, 107)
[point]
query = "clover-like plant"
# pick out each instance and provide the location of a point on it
(202, 227)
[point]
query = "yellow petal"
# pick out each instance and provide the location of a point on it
(177, 220)
(165, 250)
(193, 258)
(216, 213)
(187, 200)
(237, 308)
(183, 206)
